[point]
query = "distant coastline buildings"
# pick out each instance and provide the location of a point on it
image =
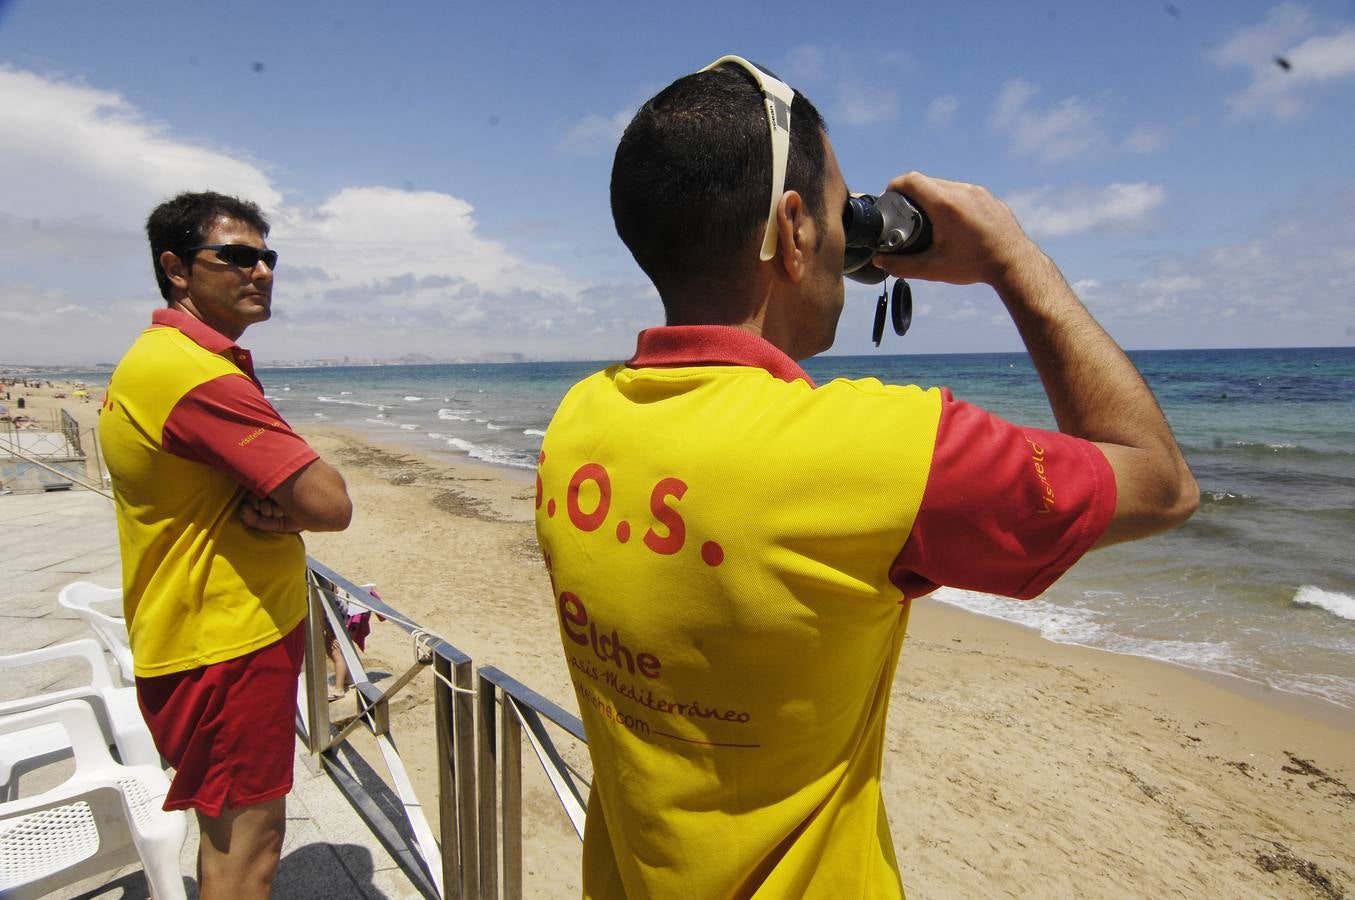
(14, 370)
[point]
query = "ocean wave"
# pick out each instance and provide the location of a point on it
(413, 399)
(1268, 449)
(1226, 497)
(533, 432)
(1069, 625)
(1055, 623)
(408, 427)
(492, 427)
(388, 424)
(452, 415)
(350, 402)
(494, 455)
(1338, 604)
(320, 415)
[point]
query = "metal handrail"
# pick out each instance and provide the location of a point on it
(520, 706)
(448, 869)
(71, 429)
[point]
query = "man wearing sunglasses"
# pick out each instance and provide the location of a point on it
(734, 550)
(212, 489)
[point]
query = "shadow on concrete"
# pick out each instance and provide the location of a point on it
(311, 872)
(131, 886)
(307, 873)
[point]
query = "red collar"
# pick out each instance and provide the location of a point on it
(205, 336)
(674, 346)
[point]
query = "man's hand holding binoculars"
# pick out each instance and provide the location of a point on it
(975, 236)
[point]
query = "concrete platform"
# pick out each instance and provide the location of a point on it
(50, 540)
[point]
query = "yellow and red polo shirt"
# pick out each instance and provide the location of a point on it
(186, 431)
(732, 552)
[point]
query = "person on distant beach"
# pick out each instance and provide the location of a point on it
(357, 623)
(733, 550)
(212, 489)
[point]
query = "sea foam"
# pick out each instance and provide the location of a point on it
(452, 415)
(1087, 628)
(1337, 604)
(349, 402)
(492, 455)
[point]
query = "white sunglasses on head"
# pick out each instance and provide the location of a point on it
(778, 97)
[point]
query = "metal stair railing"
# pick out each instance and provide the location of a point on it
(438, 869)
(522, 711)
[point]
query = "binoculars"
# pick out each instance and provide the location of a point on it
(889, 223)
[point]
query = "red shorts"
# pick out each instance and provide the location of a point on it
(227, 729)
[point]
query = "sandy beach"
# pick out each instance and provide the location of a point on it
(1014, 766)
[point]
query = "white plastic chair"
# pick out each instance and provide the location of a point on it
(111, 630)
(115, 709)
(104, 816)
(29, 750)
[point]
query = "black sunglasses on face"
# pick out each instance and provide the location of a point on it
(242, 255)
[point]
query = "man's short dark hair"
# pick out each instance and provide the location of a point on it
(693, 176)
(184, 221)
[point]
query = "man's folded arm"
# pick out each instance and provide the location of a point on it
(315, 498)
(227, 423)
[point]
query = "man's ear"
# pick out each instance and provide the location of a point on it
(796, 233)
(174, 269)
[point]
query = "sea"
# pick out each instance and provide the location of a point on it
(1259, 584)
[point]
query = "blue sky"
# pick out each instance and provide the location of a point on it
(437, 172)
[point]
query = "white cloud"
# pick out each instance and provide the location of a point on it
(1144, 139)
(595, 135)
(1315, 62)
(1045, 213)
(1256, 45)
(1284, 287)
(1178, 283)
(806, 64)
(71, 153)
(372, 271)
(831, 78)
(1069, 130)
(859, 105)
(941, 111)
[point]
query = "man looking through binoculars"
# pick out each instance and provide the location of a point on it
(733, 549)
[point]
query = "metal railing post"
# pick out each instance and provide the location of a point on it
(97, 456)
(317, 674)
(485, 759)
(448, 777)
(510, 750)
(463, 718)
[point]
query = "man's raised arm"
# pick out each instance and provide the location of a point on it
(1093, 388)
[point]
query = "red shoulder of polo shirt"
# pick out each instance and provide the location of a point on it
(226, 423)
(1007, 509)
